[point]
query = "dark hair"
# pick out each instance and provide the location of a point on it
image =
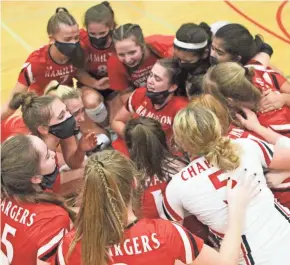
(148, 148)
(193, 33)
(19, 163)
(238, 41)
(172, 67)
(36, 110)
(101, 13)
(129, 30)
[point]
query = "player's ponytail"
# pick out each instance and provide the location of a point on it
(146, 142)
(104, 199)
(198, 132)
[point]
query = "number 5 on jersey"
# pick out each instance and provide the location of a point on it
(9, 248)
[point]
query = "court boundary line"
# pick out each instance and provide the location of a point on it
(16, 37)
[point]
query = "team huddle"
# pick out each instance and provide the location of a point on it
(146, 150)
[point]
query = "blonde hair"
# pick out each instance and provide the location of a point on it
(232, 85)
(197, 130)
(210, 102)
(105, 196)
(62, 91)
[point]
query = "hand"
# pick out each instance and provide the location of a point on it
(240, 196)
(271, 101)
(103, 83)
(275, 178)
(252, 122)
(88, 141)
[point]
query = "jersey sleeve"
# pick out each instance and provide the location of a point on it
(52, 231)
(31, 68)
(117, 74)
(63, 249)
(185, 246)
(135, 98)
(264, 151)
(172, 204)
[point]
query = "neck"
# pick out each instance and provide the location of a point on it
(57, 56)
(51, 142)
(147, 52)
(130, 214)
(159, 106)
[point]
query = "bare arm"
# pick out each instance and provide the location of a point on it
(6, 111)
(89, 81)
(119, 122)
(263, 58)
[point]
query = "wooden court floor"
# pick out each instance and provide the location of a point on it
(23, 25)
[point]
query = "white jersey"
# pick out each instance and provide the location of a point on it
(200, 189)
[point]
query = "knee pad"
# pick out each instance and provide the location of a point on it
(99, 114)
(103, 141)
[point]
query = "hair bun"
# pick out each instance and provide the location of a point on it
(106, 3)
(61, 9)
(28, 99)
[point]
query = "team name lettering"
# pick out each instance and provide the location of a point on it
(236, 132)
(66, 70)
(153, 181)
(194, 169)
(135, 245)
(17, 213)
(99, 58)
(142, 111)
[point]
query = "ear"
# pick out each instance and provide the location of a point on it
(51, 39)
(172, 88)
(238, 58)
(231, 101)
(134, 183)
(43, 129)
(205, 53)
(36, 179)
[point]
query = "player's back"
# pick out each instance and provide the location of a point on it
(203, 192)
(30, 231)
(146, 241)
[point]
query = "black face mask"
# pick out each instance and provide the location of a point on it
(100, 43)
(213, 61)
(191, 67)
(158, 98)
(67, 49)
(49, 179)
(64, 129)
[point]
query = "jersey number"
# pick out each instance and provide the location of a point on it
(217, 183)
(63, 78)
(9, 248)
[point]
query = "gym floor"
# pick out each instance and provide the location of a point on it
(23, 25)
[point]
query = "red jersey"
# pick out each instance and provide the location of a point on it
(119, 76)
(31, 231)
(265, 79)
(12, 126)
(149, 241)
(39, 69)
(152, 197)
(140, 105)
(96, 58)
